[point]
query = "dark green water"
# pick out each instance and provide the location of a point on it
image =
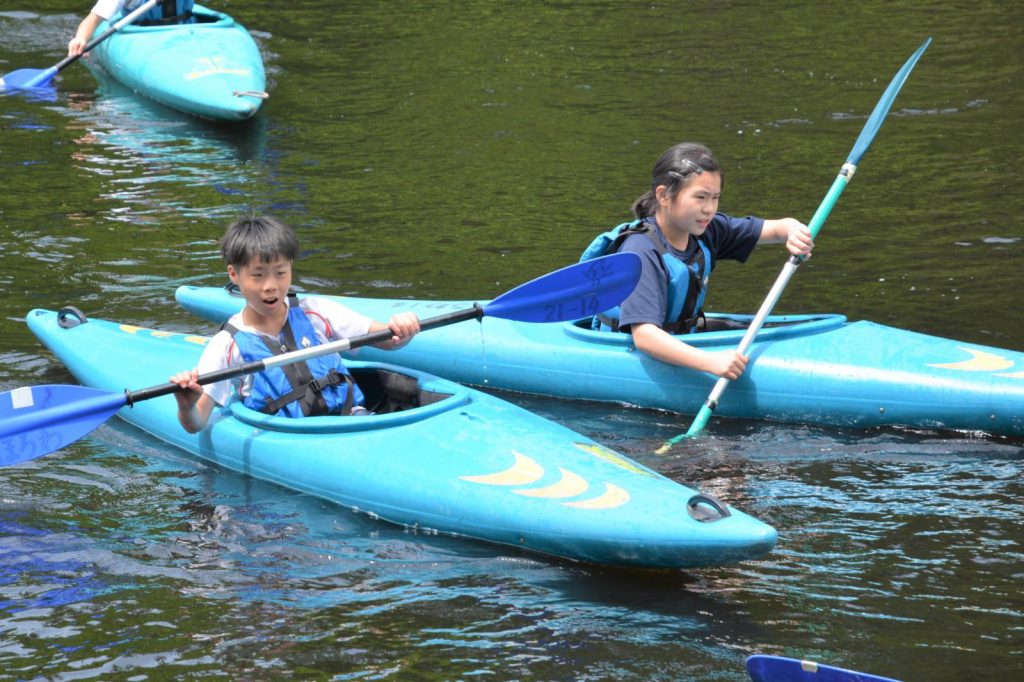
(453, 150)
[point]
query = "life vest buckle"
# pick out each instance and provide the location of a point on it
(332, 378)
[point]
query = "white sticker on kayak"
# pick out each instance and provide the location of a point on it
(22, 397)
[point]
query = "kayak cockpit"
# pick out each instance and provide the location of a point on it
(201, 16)
(721, 329)
(393, 396)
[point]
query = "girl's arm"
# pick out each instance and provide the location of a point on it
(659, 344)
(794, 233)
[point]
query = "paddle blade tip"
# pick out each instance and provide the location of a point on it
(27, 79)
(577, 291)
(38, 420)
(696, 429)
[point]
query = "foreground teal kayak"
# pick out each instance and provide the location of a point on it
(211, 68)
(816, 369)
(437, 458)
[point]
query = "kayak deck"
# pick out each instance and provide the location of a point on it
(817, 369)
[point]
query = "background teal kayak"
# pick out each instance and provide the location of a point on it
(209, 68)
(451, 151)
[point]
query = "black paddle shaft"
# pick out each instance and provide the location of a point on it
(132, 397)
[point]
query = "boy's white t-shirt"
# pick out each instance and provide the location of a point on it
(110, 8)
(330, 320)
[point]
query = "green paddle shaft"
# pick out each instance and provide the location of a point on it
(788, 270)
(872, 126)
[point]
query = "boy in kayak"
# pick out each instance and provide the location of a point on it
(680, 235)
(165, 12)
(259, 253)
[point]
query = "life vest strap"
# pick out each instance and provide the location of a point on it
(310, 397)
(307, 389)
(681, 325)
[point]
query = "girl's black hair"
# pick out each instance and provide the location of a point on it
(262, 237)
(675, 169)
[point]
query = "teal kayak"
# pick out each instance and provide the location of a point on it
(762, 668)
(435, 458)
(211, 68)
(816, 369)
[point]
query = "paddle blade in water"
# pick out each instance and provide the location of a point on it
(574, 292)
(780, 669)
(27, 78)
(37, 420)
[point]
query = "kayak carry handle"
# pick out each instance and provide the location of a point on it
(70, 311)
(697, 506)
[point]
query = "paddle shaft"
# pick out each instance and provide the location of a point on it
(568, 293)
(864, 140)
(70, 59)
(302, 355)
(788, 270)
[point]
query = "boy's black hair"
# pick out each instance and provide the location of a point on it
(262, 237)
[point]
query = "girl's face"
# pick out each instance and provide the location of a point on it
(692, 208)
(264, 285)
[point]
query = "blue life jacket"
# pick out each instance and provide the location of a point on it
(687, 282)
(164, 12)
(318, 386)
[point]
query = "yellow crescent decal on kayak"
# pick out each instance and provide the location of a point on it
(601, 452)
(613, 496)
(208, 66)
(570, 485)
(981, 361)
(158, 334)
(525, 471)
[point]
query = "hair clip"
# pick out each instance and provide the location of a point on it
(691, 166)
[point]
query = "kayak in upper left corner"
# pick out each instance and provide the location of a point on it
(211, 68)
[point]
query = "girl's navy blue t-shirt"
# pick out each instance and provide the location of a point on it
(726, 238)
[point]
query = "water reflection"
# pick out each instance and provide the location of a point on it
(879, 533)
(171, 523)
(154, 158)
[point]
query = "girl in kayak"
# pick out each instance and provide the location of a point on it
(680, 235)
(259, 253)
(165, 12)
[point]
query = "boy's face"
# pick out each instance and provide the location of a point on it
(264, 285)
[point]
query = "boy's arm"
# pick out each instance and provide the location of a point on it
(403, 326)
(194, 406)
(84, 33)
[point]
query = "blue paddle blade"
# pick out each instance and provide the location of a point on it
(24, 79)
(574, 292)
(780, 669)
(37, 420)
